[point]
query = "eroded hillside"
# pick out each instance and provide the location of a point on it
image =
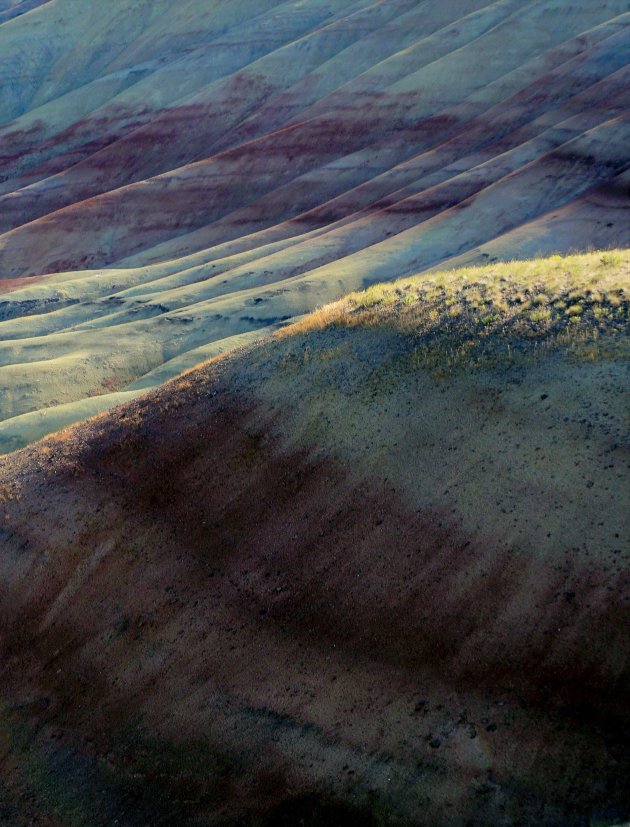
(177, 174)
(360, 573)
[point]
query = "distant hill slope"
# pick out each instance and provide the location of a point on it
(373, 570)
(173, 174)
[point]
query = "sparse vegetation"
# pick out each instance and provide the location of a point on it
(498, 312)
(612, 258)
(7, 493)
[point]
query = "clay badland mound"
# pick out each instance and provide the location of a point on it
(174, 174)
(373, 571)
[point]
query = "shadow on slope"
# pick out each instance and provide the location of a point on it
(330, 578)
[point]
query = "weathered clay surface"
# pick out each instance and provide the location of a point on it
(312, 583)
(169, 170)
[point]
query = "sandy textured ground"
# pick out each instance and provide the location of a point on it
(174, 174)
(310, 581)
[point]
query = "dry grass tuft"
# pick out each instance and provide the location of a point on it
(479, 314)
(320, 319)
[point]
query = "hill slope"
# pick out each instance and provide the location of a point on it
(371, 571)
(173, 174)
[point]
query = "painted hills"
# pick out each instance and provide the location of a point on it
(371, 571)
(314, 432)
(175, 176)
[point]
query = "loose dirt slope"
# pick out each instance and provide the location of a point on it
(372, 571)
(177, 172)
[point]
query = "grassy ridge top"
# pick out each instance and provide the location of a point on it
(504, 314)
(475, 314)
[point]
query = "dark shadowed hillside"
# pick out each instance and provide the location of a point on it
(371, 571)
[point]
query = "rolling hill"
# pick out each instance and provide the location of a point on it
(314, 437)
(177, 174)
(372, 570)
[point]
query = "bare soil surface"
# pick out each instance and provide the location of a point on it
(310, 584)
(177, 173)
